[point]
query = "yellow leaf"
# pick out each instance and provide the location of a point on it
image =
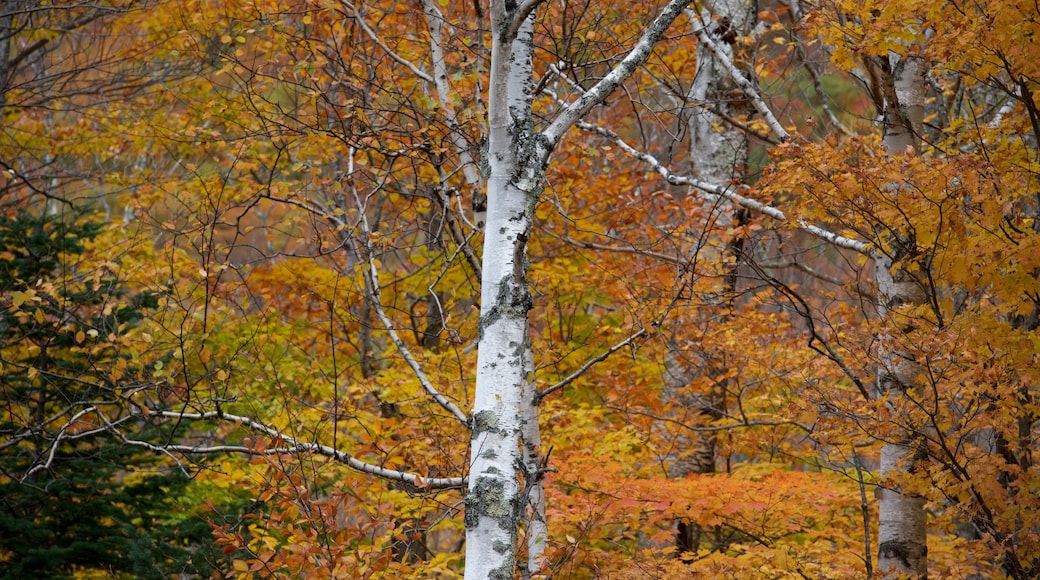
(19, 298)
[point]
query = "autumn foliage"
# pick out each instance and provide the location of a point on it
(241, 263)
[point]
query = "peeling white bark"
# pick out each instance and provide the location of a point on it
(517, 156)
(492, 504)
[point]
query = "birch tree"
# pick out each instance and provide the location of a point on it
(518, 154)
(718, 156)
(902, 538)
(909, 292)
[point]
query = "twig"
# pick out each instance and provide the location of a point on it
(588, 365)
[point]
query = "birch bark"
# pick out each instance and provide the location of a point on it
(902, 547)
(536, 526)
(492, 504)
(517, 157)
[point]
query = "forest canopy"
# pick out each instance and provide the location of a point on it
(497, 289)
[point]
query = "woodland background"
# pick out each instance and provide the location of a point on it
(782, 302)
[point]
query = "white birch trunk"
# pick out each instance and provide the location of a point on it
(537, 528)
(492, 504)
(517, 156)
(902, 536)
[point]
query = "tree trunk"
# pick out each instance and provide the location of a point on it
(902, 545)
(492, 504)
(517, 157)
(536, 527)
(6, 34)
(718, 155)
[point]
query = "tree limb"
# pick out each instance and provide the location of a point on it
(588, 365)
(716, 193)
(624, 69)
(292, 445)
(704, 36)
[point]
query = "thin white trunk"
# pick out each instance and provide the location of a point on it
(492, 504)
(718, 155)
(536, 527)
(902, 531)
(902, 536)
(434, 21)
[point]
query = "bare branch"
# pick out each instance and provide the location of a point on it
(715, 193)
(434, 18)
(795, 264)
(589, 364)
(292, 445)
(704, 36)
(360, 19)
(796, 18)
(631, 250)
(402, 348)
(624, 69)
(737, 424)
(54, 444)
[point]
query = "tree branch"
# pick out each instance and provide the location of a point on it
(434, 18)
(54, 444)
(624, 69)
(716, 193)
(588, 365)
(704, 36)
(521, 14)
(292, 445)
(379, 42)
(402, 348)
